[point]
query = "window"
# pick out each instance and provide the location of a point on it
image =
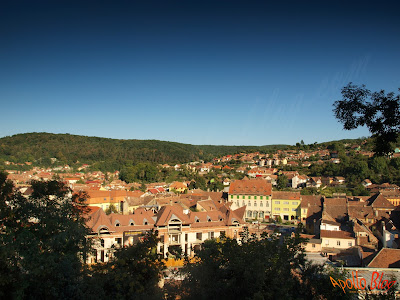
(199, 236)
(174, 238)
(243, 203)
(313, 245)
(119, 241)
(267, 197)
(249, 203)
(211, 235)
(249, 214)
(255, 203)
(293, 209)
(231, 196)
(350, 244)
(248, 197)
(186, 237)
(117, 224)
(286, 209)
(102, 243)
(267, 204)
(277, 202)
(338, 243)
(277, 209)
(261, 197)
(261, 204)
(222, 233)
(237, 197)
(286, 202)
(295, 203)
(242, 197)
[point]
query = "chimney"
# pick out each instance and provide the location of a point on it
(384, 243)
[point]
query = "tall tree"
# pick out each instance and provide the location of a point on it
(42, 242)
(379, 111)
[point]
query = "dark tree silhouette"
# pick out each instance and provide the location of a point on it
(378, 111)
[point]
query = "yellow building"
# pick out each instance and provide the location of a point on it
(286, 205)
(180, 187)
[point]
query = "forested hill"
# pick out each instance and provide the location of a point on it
(108, 154)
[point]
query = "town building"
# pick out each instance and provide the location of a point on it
(255, 195)
(286, 205)
(178, 229)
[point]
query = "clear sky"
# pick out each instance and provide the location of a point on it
(198, 72)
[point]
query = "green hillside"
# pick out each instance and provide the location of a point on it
(108, 154)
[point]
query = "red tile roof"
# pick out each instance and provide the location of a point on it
(336, 234)
(251, 187)
(386, 258)
(286, 195)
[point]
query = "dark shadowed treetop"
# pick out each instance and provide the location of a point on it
(378, 111)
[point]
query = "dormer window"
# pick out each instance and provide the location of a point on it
(131, 223)
(197, 219)
(117, 224)
(208, 219)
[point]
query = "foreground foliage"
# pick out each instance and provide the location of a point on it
(43, 250)
(257, 269)
(42, 242)
(378, 111)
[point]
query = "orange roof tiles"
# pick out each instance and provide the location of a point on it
(286, 195)
(336, 234)
(251, 187)
(386, 258)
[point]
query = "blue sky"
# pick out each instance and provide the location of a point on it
(198, 72)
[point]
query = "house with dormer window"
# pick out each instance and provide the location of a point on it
(178, 229)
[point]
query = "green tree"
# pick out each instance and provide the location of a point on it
(132, 273)
(142, 172)
(43, 242)
(256, 269)
(379, 111)
(282, 182)
(111, 209)
(379, 165)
